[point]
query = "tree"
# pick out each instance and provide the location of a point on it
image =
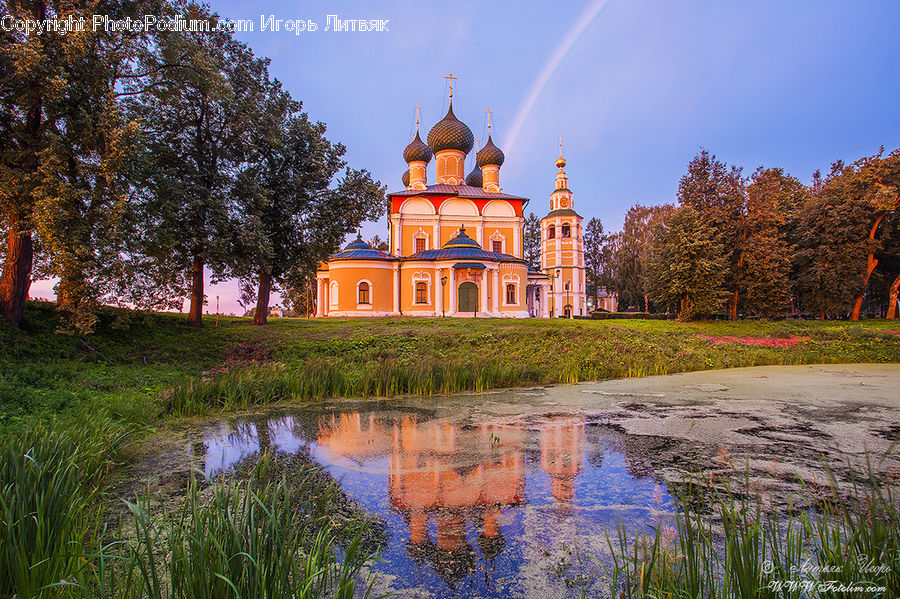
(531, 242)
(876, 187)
(687, 265)
(628, 253)
(291, 216)
(831, 248)
(63, 142)
(379, 244)
(203, 99)
(773, 200)
(594, 242)
(717, 193)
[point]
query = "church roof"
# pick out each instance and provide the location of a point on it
(463, 247)
(463, 191)
(562, 212)
(360, 250)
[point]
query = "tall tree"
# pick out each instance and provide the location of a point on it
(204, 98)
(687, 265)
(717, 193)
(63, 142)
(629, 253)
(594, 245)
(531, 241)
(291, 216)
(773, 201)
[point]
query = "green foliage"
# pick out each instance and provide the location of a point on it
(688, 267)
(531, 241)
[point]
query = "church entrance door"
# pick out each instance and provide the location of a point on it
(468, 297)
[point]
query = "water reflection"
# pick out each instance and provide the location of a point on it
(476, 507)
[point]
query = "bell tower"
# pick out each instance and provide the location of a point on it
(562, 249)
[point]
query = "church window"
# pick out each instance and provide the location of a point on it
(421, 293)
(566, 230)
(363, 293)
(510, 294)
(420, 244)
(551, 232)
(497, 246)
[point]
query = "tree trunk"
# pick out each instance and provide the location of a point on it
(892, 294)
(196, 314)
(262, 298)
(871, 263)
(734, 305)
(16, 277)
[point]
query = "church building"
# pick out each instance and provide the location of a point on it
(456, 245)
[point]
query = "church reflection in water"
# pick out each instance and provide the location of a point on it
(446, 478)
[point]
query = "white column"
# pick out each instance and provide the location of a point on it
(438, 292)
(452, 290)
(484, 297)
(497, 291)
(326, 297)
(319, 298)
(397, 288)
(436, 235)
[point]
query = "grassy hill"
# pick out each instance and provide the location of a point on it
(137, 365)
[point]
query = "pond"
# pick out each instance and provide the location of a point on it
(512, 493)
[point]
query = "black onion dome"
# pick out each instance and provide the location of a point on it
(462, 241)
(474, 179)
(406, 178)
(417, 151)
(490, 154)
(450, 133)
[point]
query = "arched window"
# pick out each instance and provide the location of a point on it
(566, 230)
(551, 232)
(510, 293)
(421, 292)
(363, 293)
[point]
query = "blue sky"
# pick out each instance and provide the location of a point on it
(636, 87)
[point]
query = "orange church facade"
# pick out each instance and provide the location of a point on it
(456, 246)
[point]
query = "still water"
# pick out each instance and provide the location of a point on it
(474, 505)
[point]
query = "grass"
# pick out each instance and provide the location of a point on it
(67, 403)
(134, 359)
(264, 537)
(845, 547)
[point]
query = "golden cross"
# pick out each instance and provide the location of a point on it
(476, 143)
(451, 78)
(560, 146)
(417, 107)
(489, 113)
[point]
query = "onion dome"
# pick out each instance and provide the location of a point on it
(560, 162)
(490, 154)
(406, 178)
(358, 244)
(450, 133)
(417, 151)
(461, 241)
(474, 179)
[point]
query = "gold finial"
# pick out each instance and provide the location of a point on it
(560, 162)
(476, 143)
(417, 107)
(489, 113)
(451, 77)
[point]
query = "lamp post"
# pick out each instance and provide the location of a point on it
(443, 284)
(558, 279)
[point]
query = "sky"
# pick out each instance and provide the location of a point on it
(636, 87)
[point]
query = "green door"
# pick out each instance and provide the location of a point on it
(467, 297)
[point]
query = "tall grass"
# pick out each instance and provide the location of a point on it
(259, 538)
(320, 379)
(250, 540)
(741, 550)
(49, 515)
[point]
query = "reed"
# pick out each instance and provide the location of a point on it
(744, 551)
